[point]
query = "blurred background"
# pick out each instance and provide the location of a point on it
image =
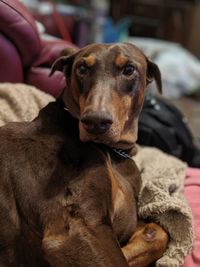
(113, 20)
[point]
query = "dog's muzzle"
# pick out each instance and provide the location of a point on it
(97, 122)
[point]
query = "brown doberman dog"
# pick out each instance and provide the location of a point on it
(68, 185)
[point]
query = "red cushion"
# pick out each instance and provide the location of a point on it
(11, 69)
(39, 77)
(51, 50)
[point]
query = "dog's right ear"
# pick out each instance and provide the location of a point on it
(63, 64)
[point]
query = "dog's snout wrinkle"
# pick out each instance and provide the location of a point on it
(97, 123)
(98, 101)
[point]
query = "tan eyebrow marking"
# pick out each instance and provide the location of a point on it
(121, 61)
(90, 60)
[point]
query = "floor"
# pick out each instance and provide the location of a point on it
(190, 107)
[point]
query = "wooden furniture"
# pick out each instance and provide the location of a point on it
(172, 20)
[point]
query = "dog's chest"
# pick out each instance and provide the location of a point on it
(124, 215)
(105, 195)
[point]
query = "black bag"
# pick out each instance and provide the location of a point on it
(162, 125)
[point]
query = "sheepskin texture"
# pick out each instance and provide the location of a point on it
(161, 200)
(161, 197)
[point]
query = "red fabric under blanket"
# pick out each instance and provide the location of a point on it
(192, 193)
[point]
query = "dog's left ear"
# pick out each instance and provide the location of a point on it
(153, 73)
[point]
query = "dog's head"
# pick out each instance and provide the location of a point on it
(105, 91)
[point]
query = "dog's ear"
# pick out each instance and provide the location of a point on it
(153, 73)
(64, 64)
(69, 51)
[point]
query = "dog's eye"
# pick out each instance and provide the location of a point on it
(82, 69)
(128, 70)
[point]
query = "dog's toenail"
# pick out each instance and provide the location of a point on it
(150, 234)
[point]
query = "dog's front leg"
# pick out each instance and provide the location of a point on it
(81, 246)
(54, 242)
(146, 245)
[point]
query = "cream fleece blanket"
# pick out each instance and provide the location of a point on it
(160, 200)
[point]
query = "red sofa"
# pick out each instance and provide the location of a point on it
(24, 56)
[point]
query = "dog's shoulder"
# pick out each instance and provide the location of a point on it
(50, 134)
(46, 123)
(12, 130)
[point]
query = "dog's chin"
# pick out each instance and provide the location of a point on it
(106, 139)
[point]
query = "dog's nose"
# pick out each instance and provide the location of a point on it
(96, 123)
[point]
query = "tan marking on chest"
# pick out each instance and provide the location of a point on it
(117, 191)
(114, 183)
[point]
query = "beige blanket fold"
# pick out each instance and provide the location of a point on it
(160, 200)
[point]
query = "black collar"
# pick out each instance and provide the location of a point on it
(122, 153)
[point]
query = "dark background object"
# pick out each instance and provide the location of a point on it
(162, 125)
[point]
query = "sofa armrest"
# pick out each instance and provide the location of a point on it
(11, 66)
(18, 25)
